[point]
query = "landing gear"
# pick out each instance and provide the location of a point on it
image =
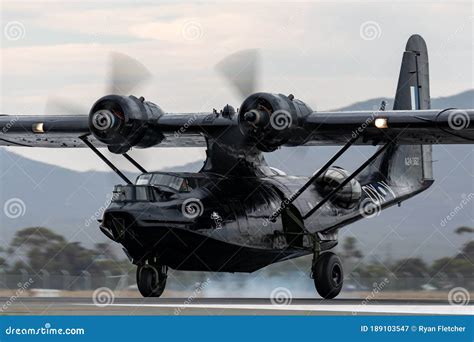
(328, 275)
(151, 279)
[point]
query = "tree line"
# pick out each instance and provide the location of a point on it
(36, 249)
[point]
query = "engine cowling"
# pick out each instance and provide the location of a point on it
(270, 119)
(122, 122)
(348, 196)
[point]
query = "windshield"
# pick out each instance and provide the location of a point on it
(131, 193)
(174, 182)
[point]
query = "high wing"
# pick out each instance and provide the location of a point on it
(450, 126)
(65, 131)
(43, 131)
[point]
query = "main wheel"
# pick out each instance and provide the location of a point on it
(328, 275)
(151, 280)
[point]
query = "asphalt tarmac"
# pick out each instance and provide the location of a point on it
(226, 306)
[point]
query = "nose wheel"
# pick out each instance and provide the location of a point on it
(328, 275)
(151, 280)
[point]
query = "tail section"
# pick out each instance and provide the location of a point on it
(406, 170)
(413, 92)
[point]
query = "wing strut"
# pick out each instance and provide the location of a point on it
(287, 201)
(134, 163)
(347, 180)
(105, 160)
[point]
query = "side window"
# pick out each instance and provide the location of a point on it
(143, 179)
(141, 193)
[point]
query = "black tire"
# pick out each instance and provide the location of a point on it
(151, 280)
(328, 275)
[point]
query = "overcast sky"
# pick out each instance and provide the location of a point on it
(327, 54)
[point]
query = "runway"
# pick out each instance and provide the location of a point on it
(226, 306)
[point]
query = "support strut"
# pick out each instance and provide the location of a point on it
(287, 201)
(105, 160)
(134, 163)
(347, 180)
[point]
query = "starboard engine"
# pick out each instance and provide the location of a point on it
(269, 120)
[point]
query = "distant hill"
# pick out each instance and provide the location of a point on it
(69, 202)
(461, 100)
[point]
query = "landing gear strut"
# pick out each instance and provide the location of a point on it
(328, 275)
(151, 279)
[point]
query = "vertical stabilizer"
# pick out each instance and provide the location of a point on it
(406, 169)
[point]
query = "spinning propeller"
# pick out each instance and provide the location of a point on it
(125, 74)
(242, 71)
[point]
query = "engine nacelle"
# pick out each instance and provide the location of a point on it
(270, 119)
(122, 122)
(348, 196)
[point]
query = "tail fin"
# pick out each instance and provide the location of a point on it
(406, 169)
(413, 92)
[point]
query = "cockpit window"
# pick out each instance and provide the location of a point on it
(174, 182)
(144, 179)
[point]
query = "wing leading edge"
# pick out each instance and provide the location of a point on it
(43, 131)
(449, 126)
(64, 131)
